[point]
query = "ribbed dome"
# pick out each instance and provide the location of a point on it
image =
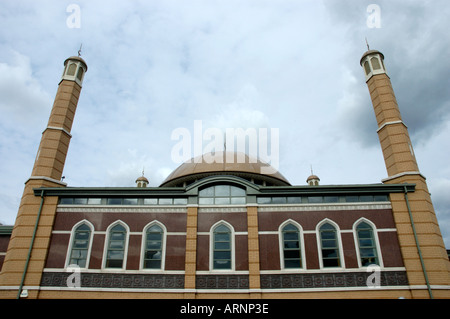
(249, 168)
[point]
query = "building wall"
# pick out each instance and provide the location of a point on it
(273, 282)
(4, 241)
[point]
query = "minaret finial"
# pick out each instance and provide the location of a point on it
(367, 43)
(79, 51)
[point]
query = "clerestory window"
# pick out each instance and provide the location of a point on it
(222, 195)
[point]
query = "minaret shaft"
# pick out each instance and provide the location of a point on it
(55, 140)
(27, 250)
(393, 134)
(418, 231)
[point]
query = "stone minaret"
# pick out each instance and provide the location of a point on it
(421, 242)
(27, 250)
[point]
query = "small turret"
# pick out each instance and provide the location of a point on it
(142, 181)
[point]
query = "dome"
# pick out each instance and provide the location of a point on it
(142, 179)
(251, 169)
(312, 177)
(313, 180)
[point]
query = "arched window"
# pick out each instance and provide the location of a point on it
(80, 246)
(72, 68)
(367, 67)
(368, 254)
(222, 250)
(291, 246)
(153, 247)
(375, 63)
(329, 246)
(80, 73)
(222, 195)
(115, 254)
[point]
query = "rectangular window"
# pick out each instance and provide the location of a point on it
(294, 200)
(352, 199)
(380, 198)
(331, 199)
(165, 201)
(114, 201)
(150, 201)
(315, 199)
(366, 198)
(264, 200)
(80, 201)
(130, 201)
(278, 200)
(94, 201)
(180, 201)
(66, 201)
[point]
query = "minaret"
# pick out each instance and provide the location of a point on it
(27, 250)
(421, 242)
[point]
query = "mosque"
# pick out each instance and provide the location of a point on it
(225, 230)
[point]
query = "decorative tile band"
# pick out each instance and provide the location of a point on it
(268, 281)
(221, 282)
(115, 280)
(329, 280)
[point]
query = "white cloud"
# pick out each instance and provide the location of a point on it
(158, 65)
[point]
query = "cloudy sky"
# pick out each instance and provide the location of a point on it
(288, 65)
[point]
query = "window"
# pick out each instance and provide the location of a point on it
(72, 68)
(367, 67)
(222, 248)
(329, 246)
(115, 254)
(114, 201)
(153, 253)
(222, 195)
(291, 246)
(80, 73)
(80, 201)
(80, 246)
(367, 247)
(375, 63)
(130, 201)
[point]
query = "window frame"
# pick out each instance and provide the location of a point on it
(375, 238)
(72, 239)
(339, 244)
(106, 246)
(214, 196)
(232, 246)
(301, 246)
(144, 246)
